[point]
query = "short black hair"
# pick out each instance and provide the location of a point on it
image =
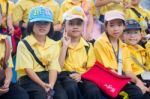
(30, 29)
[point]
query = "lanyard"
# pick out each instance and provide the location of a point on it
(116, 54)
(118, 57)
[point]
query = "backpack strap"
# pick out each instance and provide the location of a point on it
(136, 12)
(33, 53)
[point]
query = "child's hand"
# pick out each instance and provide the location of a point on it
(3, 91)
(6, 84)
(66, 39)
(11, 30)
(46, 87)
(76, 77)
(143, 88)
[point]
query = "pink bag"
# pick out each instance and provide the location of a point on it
(108, 81)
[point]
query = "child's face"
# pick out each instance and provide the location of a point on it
(41, 28)
(132, 37)
(115, 28)
(74, 27)
(135, 2)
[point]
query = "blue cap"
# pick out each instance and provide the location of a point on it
(40, 13)
(132, 24)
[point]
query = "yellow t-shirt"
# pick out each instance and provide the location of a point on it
(48, 55)
(2, 53)
(148, 55)
(67, 4)
(23, 7)
(4, 10)
(78, 59)
(145, 13)
(105, 55)
(138, 53)
(113, 6)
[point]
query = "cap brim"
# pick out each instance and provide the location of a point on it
(131, 28)
(74, 17)
(113, 18)
(39, 19)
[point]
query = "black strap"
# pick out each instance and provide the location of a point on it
(32, 52)
(136, 12)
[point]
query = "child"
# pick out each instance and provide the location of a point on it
(76, 57)
(37, 70)
(8, 90)
(107, 49)
(133, 35)
(89, 10)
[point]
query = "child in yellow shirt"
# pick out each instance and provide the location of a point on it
(89, 10)
(37, 56)
(76, 57)
(107, 50)
(133, 35)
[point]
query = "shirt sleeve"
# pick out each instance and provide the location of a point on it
(54, 62)
(23, 58)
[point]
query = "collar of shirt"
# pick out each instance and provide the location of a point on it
(137, 48)
(105, 39)
(81, 44)
(32, 41)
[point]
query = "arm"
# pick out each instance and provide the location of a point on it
(137, 81)
(10, 24)
(62, 55)
(8, 78)
(52, 78)
(63, 52)
(90, 27)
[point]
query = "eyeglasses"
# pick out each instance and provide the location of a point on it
(38, 23)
